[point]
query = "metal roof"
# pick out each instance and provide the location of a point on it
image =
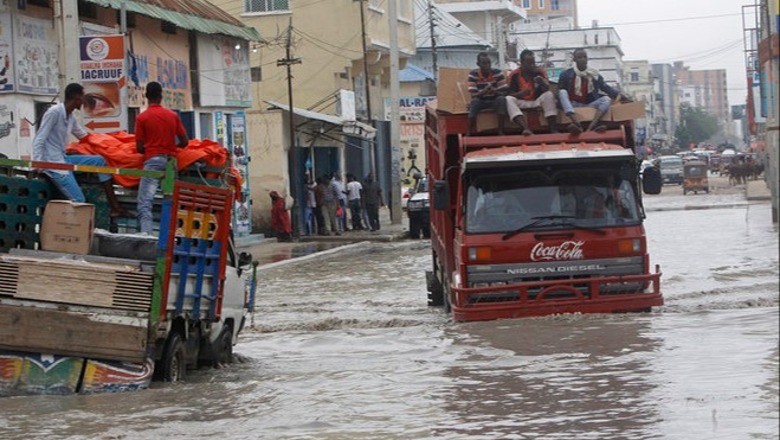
(348, 127)
(412, 73)
(196, 15)
(513, 156)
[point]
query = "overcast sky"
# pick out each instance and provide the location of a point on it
(705, 34)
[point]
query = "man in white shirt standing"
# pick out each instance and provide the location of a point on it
(353, 199)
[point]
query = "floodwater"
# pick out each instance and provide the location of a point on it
(344, 347)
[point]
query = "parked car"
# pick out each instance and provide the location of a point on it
(671, 169)
(418, 210)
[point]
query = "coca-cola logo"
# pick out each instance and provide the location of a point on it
(568, 250)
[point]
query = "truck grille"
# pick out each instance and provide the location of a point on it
(571, 274)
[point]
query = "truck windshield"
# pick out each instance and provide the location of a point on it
(499, 203)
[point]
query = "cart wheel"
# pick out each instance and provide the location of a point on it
(173, 364)
(223, 353)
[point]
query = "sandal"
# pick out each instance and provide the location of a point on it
(574, 128)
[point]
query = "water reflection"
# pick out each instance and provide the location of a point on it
(554, 378)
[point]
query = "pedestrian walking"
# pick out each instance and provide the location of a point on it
(280, 218)
(330, 200)
(372, 201)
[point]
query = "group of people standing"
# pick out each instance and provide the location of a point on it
(528, 87)
(328, 199)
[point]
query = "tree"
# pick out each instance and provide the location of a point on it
(696, 125)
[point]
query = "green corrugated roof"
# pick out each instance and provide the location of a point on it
(196, 15)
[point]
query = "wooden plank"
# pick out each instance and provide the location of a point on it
(71, 333)
(70, 285)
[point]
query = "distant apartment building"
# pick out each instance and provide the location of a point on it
(490, 19)
(548, 14)
(638, 84)
(554, 50)
(706, 90)
(667, 101)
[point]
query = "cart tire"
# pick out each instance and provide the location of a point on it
(173, 361)
(223, 348)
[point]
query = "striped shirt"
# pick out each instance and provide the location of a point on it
(479, 81)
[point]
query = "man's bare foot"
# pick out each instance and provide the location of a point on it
(527, 132)
(574, 128)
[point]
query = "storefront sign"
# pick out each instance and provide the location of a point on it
(36, 56)
(104, 81)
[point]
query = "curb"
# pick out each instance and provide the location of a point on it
(311, 256)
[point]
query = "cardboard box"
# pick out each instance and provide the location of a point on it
(627, 111)
(452, 94)
(67, 227)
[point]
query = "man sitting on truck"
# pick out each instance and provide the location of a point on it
(580, 86)
(487, 87)
(49, 146)
(530, 88)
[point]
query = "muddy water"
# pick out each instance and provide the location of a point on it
(344, 347)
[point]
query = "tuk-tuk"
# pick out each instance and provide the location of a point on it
(695, 177)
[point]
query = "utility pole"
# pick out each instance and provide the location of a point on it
(69, 40)
(395, 120)
(367, 87)
(434, 56)
(288, 61)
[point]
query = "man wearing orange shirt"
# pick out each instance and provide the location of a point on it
(530, 88)
(158, 131)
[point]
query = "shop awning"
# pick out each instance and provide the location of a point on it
(195, 15)
(350, 128)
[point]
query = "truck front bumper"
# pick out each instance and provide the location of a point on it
(592, 295)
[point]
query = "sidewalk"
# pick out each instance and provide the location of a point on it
(267, 250)
(757, 190)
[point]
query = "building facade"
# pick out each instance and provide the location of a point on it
(196, 51)
(547, 14)
(667, 105)
(331, 130)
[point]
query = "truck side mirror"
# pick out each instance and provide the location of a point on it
(652, 181)
(244, 258)
(441, 198)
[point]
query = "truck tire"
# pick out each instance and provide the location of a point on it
(435, 292)
(223, 347)
(414, 228)
(173, 364)
(446, 300)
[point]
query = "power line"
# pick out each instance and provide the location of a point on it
(669, 20)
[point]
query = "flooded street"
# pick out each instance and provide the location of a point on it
(343, 346)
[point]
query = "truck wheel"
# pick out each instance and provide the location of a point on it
(173, 363)
(435, 294)
(446, 300)
(414, 228)
(223, 347)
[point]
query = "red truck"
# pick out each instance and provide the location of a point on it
(537, 225)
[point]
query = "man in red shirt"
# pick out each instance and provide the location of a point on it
(158, 131)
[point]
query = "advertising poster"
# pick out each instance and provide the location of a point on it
(411, 112)
(241, 215)
(169, 67)
(224, 72)
(6, 52)
(103, 77)
(36, 59)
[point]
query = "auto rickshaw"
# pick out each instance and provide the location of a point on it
(695, 177)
